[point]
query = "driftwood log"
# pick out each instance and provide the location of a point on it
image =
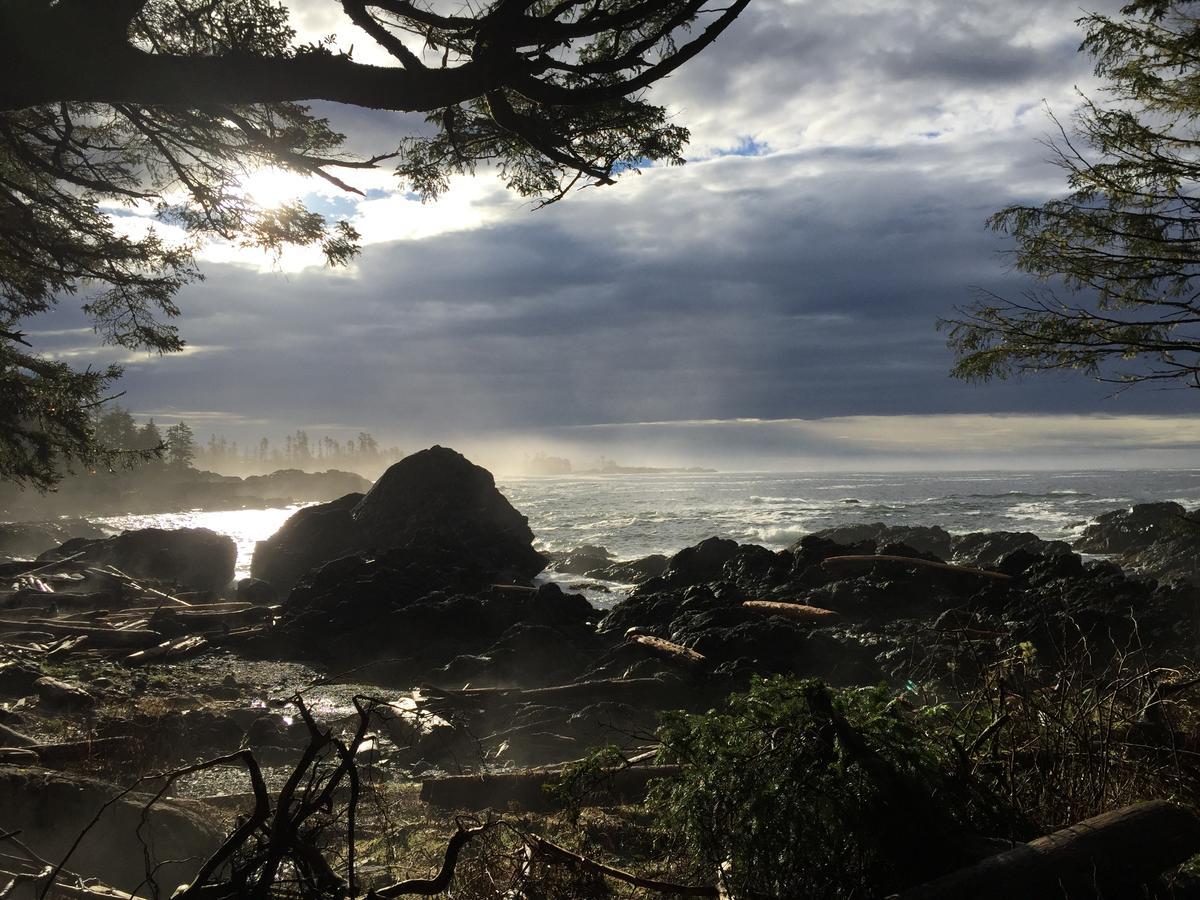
(653, 693)
(497, 790)
(1110, 855)
(914, 561)
(798, 612)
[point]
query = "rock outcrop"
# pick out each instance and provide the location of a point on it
(432, 500)
(196, 558)
(1160, 539)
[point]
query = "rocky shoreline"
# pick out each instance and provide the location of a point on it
(423, 591)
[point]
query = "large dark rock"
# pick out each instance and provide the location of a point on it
(432, 499)
(984, 549)
(1160, 539)
(419, 609)
(196, 558)
(311, 536)
(924, 538)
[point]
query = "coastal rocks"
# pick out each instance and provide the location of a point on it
(583, 560)
(50, 810)
(311, 536)
(1134, 529)
(923, 538)
(432, 499)
(596, 562)
(421, 608)
(1161, 539)
(196, 558)
(984, 549)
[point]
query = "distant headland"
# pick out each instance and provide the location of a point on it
(541, 464)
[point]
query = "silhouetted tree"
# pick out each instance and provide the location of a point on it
(181, 446)
(170, 103)
(1125, 242)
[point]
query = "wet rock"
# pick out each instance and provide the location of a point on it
(695, 565)
(1134, 529)
(583, 560)
(1160, 539)
(421, 608)
(634, 571)
(197, 558)
(50, 810)
(257, 591)
(984, 549)
(923, 538)
(432, 499)
(311, 536)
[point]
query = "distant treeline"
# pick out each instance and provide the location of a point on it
(361, 454)
(146, 444)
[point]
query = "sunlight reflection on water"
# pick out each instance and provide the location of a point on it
(245, 526)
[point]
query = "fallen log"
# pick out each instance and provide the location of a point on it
(799, 612)
(497, 790)
(177, 648)
(65, 753)
(654, 693)
(668, 649)
(1110, 855)
(97, 636)
(915, 561)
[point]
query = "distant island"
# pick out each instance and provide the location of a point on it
(541, 464)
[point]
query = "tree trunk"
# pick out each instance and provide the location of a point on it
(1110, 855)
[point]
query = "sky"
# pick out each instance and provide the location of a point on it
(769, 305)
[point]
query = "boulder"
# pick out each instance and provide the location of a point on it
(310, 536)
(433, 499)
(196, 558)
(634, 571)
(984, 549)
(1160, 539)
(1131, 530)
(923, 538)
(583, 560)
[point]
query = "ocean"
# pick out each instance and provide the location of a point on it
(635, 515)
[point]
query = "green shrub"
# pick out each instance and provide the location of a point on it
(796, 790)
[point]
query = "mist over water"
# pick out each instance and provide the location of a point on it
(635, 515)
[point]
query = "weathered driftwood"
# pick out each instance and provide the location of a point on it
(654, 693)
(799, 612)
(176, 648)
(97, 636)
(668, 649)
(497, 790)
(915, 561)
(562, 854)
(70, 752)
(1109, 855)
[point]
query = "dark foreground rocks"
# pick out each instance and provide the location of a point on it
(431, 500)
(50, 810)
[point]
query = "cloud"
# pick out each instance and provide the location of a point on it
(844, 159)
